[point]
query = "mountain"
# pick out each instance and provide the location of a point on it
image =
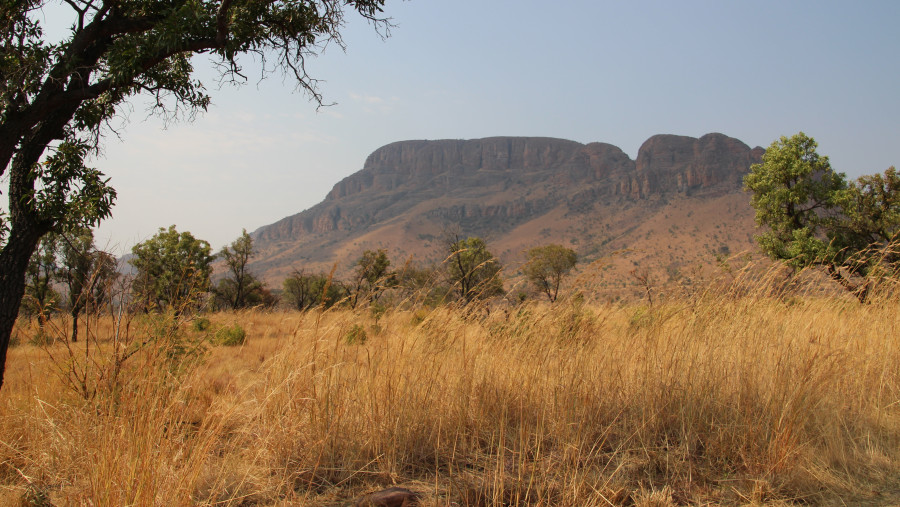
(679, 202)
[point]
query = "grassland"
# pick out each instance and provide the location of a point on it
(710, 399)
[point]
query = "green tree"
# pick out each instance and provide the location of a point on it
(472, 270)
(85, 271)
(172, 270)
(57, 95)
(547, 266)
(371, 276)
(40, 295)
(239, 289)
(426, 284)
(303, 291)
(814, 217)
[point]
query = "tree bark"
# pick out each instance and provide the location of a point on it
(13, 264)
(74, 326)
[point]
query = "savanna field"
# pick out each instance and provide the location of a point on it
(722, 397)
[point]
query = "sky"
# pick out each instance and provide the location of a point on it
(586, 70)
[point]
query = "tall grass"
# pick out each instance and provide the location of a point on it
(727, 397)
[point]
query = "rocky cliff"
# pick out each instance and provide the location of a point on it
(492, 186)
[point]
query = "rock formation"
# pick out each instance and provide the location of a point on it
(491, 186)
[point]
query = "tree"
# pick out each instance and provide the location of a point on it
(424, 284)
(172, 270)
(814, 217)
(85, 271)
(372, 276)
(472, 270)
(303, 291)
(40, 295)
(239, 289)
(547, 266)
(56, 98)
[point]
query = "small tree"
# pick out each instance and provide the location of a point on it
(239, 288)
(303, 291)
(472, 270)
(371, 277)
(85, 272)
(547, 266)
(172, 269)
(815, 217)
(426, 284)
(645, 281)
(39, 292)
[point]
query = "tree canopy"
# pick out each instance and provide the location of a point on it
(546, 267)
(302, 291)
(371, 276)
(240, 288)
(85, 271)
(472, 270)
(815, 217)
(173, 270)
(59, 94)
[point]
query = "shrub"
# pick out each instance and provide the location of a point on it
(201, 324)
(356, 335)
(231, 336)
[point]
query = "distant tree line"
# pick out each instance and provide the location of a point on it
(812, 217)
(172, 271)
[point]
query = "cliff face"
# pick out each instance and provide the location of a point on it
(492, 185)
(678, 163)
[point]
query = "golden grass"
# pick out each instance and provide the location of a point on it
(711, 400)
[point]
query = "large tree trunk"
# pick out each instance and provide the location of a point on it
(13, 263)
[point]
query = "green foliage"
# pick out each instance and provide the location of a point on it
(86, 273)
(240, 288)
(66, 192)
(793, 191)
(356, 335)
(164, 332)
(472, 270)
(70, 88)
(200, 324)
(69, 260)
(303, 291)
(172, 270)
(425, 285)
(40, 296)
(378, 310)
(815, 217)
(547, 266)
(230, 336)
(59, 94)
(643, 317)
(371, 277)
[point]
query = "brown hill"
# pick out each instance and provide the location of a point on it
(678, 204)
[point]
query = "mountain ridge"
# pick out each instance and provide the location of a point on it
(493, 186)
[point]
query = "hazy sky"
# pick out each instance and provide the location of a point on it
(588, 70)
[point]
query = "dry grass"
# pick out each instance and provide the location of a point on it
(716, 399)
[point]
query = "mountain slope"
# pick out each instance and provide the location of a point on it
(680, 201)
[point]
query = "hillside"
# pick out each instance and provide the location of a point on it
(678, 204)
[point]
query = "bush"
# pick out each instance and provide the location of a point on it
(231, 336)
(356, 334)
(201, 324)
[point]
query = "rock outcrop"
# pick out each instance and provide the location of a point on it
(495, 184)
